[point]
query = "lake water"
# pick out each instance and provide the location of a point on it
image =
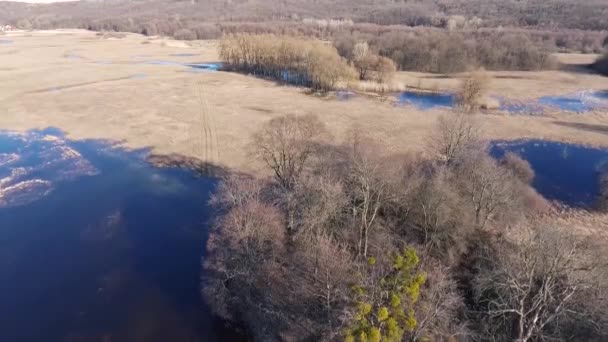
(97, 245)
(580, 102)
(194, 67)
(565, 172)
(584, 101)
(427, 101)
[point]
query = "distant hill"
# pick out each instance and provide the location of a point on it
(546, 14)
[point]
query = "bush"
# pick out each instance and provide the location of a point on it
(519, 166)
(184, 34)
(471, 91)
(207, 31)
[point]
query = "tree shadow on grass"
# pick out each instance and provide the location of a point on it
(192, 164)
(595, 128)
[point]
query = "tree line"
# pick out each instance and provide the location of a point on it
(343, 242)
(445, 52)
(294, 60)
(537, 14)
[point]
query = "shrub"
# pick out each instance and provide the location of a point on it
(471, 91)
(207, 31)
(519, 166)
(184, 34)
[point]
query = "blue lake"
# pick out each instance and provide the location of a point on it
(565, 172)
(581, 102)
(203, 67)
(426, 101)
(584, 101)
(194, 67)
(98, 245)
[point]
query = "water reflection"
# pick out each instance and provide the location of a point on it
(565, 172)
(111, 253)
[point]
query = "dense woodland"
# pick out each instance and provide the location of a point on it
(556, 25)
(423, 35)
(545, 14)
(345, 243)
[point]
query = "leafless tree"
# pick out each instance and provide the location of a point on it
(520, 167)
(471, 90)
(439, 215)
(323, 281)
(531, 285)
(244, 253)
(321, 206)
(440, 306)
(454, 135)
(369, 189)
(286, 143)
(488, 189)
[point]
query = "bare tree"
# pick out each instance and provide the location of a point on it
(321, 206)
(243, 273)
(286, 143)
(384, 69)
(439, 216)
(439, 307)
(531, 285)
(453, 136)
(471, 90)
(323, 281)
(369, 189)
(487, 188)
(363, 59)
(519, 166)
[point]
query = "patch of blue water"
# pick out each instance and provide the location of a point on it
(427, 101)
(602, 94)
(194, 67)
(112, 253)
(584, 101)
(567, 173)
(6, 41)
(184, 54)
(204, 67)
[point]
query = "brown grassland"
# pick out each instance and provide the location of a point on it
(94, 86)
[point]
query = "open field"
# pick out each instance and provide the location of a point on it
(116, 88)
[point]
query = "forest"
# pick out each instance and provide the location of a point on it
(430, 36)
(343, 242)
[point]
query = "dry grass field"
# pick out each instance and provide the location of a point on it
(98, 87)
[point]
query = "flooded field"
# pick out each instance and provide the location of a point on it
(97, 245)
(427, 101)
(564, 172)
(580, 102)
